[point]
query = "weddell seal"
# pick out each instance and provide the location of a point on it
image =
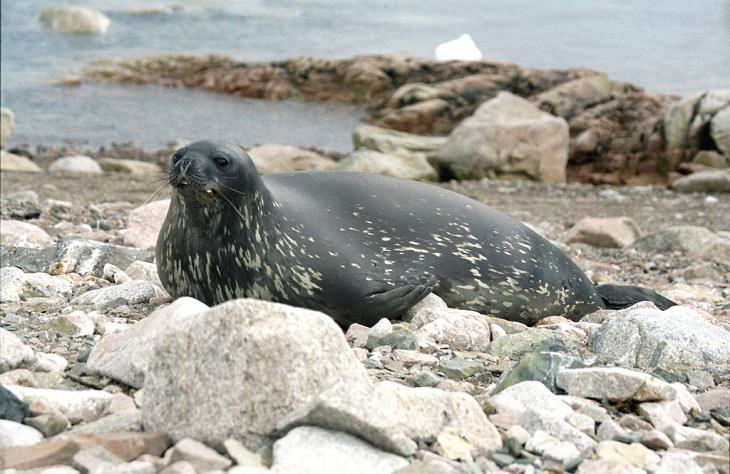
(358, 247)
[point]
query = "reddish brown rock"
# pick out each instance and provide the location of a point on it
(48, 453)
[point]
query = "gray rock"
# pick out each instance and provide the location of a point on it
(460, 329)
(551, 447)
(199, 455)
(614, 383)
(538, 366)
(533, 395)
(50, 424)
(677, 463)
(11, 407)
(85, 257)
(194, 387)
(396, 418)
(14, 434)
(7, 125)
(95, 458)
(50, 362)
(608, 430)
(272, 158)
(128, 420)
(696, 439)
(133, 292)
(611, 232)
(535, 340)
(125, 356)
(180, 467)
(390, 141)
(426, 379)
(583, 423)
(507, 135)
(144, 271)
(74, 324)
(77, 406)
(656, 440)
(20, 205)
(570, 98)
(22, 234)
(676, 339)
(241, 455)
(312, 450)
(459, 369)
(691, 240)
(430, 302)
(13, 353)
(534, 421)
(412, 166)
(400, 339)
(635, 454)
(13, 284)
(715, 398)
(77, 164)
(720, 130)
(677, 120)
(711, 159)
(706, 181)
(662, 414)
(586, 407)
(144, 224)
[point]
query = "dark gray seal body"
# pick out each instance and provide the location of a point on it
(356, 246)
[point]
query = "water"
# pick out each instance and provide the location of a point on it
(672, 46)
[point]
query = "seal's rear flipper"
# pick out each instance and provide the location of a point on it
(623, 296)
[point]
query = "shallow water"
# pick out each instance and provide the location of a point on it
(672, 46)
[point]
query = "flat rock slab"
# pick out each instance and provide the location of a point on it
(615, 384)
(77, 406)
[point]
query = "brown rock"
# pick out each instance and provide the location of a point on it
(611, 232)
(715, 398)
(144, 223)
(127, 445)
(48, 453)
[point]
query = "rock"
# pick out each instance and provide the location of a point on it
(656, 440)
(133, 292)
(610, 232)
(144, 224)
(18, 163)
(532, 395)
(569, 98)
(462, 48)
(187, 374)
(552, 448)
(50, 362)
(12, 288)
(82, 405)
(401, 339)
(686, 401)
(607, 466)
(95, 458)
(583, 423)
(74, 324)
(412, 166)
(11, 407)
(720, 130)
(396, 418)
(677, 119)
(241, 455)
(48, 453)
(692, 240)
(393, 142)
(13, 353)
(414, 357)
(50, 424)
(459, 369)
(711, 159)
(707, 181)
(22, 234)
(77, 164)
(84, 257)
(199, 455)
(677, 463)
(676, 339)
(430, 302)
(180, 467)
(609, 430)
(127, 420)
(534, 421)
(382, 327)
(518, 344)
(147, 271)
(662, 414)
(75, 19)
(285, 158)
(7, 125)
(461, 330)
(303, 449)
(542, 367)
(586, 407)
(696, 439)
(715, 398)
(18, 285)
(426, 379)
(453, 447)
(128, 166)
(13, 434)
(614, 384)
(126, 356)
(20, 205)
(507, 135)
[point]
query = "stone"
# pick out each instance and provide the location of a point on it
(180, 467)
(17, 163)
(11, 407)
(14, 434)
(15, 233)
(50, 424)
(401, 339)
(396, 418)
(304, 449)
(121, 402)
(676, 339)
(126, 356)
(693, 241)
(530, 394)
(412, 166)
(510, 136)
(459, 369)
(720, 130)
(7, 125)
(710, 159)
(394, 142)
(696, 439)
(241, 455)
(147, 271)
(411, 358)
(609, 430)
(715, 398)
(136, 167)
(610, 232)
(461, 330)
(81, 405)
(583, 423)
(607, 466)
(75, 19)
(496, 331)
(285, 158)
(426, 378)
(22, 377)
(586, 407)
(518, 344)
(677, 120)
(686, 400)
(50, 362)
(199, 455)
(614, 384)
(10, 291)
(144, 224)
(552, 448)
(90, 460)
(656, 440)
(569, 98)
(20, 205)
(701, 379)
(133, 292)
(677, 463)
(453, 447)
(533, 420)
(127, 420)
(134, 467)
(706, 181)
(48, 453)
(126, 446)
(187, 372)
(635, 454)
(13, 353)
(75, 324)
(75, 165)
(430, 302)
(662, 414)
(542, 367)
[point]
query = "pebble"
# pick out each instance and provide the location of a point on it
(14, 434)
(459, 369)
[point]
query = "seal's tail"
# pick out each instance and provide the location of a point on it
(622, 296)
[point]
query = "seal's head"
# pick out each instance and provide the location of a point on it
(203, 171)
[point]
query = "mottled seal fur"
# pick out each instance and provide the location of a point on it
(356, 246)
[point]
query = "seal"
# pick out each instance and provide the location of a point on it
(356, 246)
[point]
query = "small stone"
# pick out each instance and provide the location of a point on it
(497, 331)
(50, 424)
(549, 446)
(662, 414)
(23, 234)
(533, 395)
(706, 181)
(384, 326)
(610, 232)
(180, 467)
(533, 421)
(18, 163)
(696, 439)
(74, 324)
(11, 407)
(459, 329)
(14, 434)
(686, 401)
(538, 366)
(587, 407)
(139, 270)
(677, 463)
(614, 383)
(121, 402)
(656, 440)
(426, 379)
(715, 398)
(50, 362)
(452, 446)
(133, 292)
(82, 405)
(48, 453)
(701, 379)
(127, 420)
(90, 459)
(144, 224)
(357, 335)
(199, 455)
(13, 353)
(607, 466)
(502, 459)
(241, 455)
(78, 164)
(124, 445)
(430, 302)
(519, 434)
(609, 430)
(410, 358)
(582, 422)
(459, 369)
(401, 339)
(635, 454)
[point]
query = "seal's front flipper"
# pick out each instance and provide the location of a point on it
(390, 300)
(622, 296)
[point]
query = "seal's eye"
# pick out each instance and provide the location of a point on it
(220, 161)
(176, 157)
